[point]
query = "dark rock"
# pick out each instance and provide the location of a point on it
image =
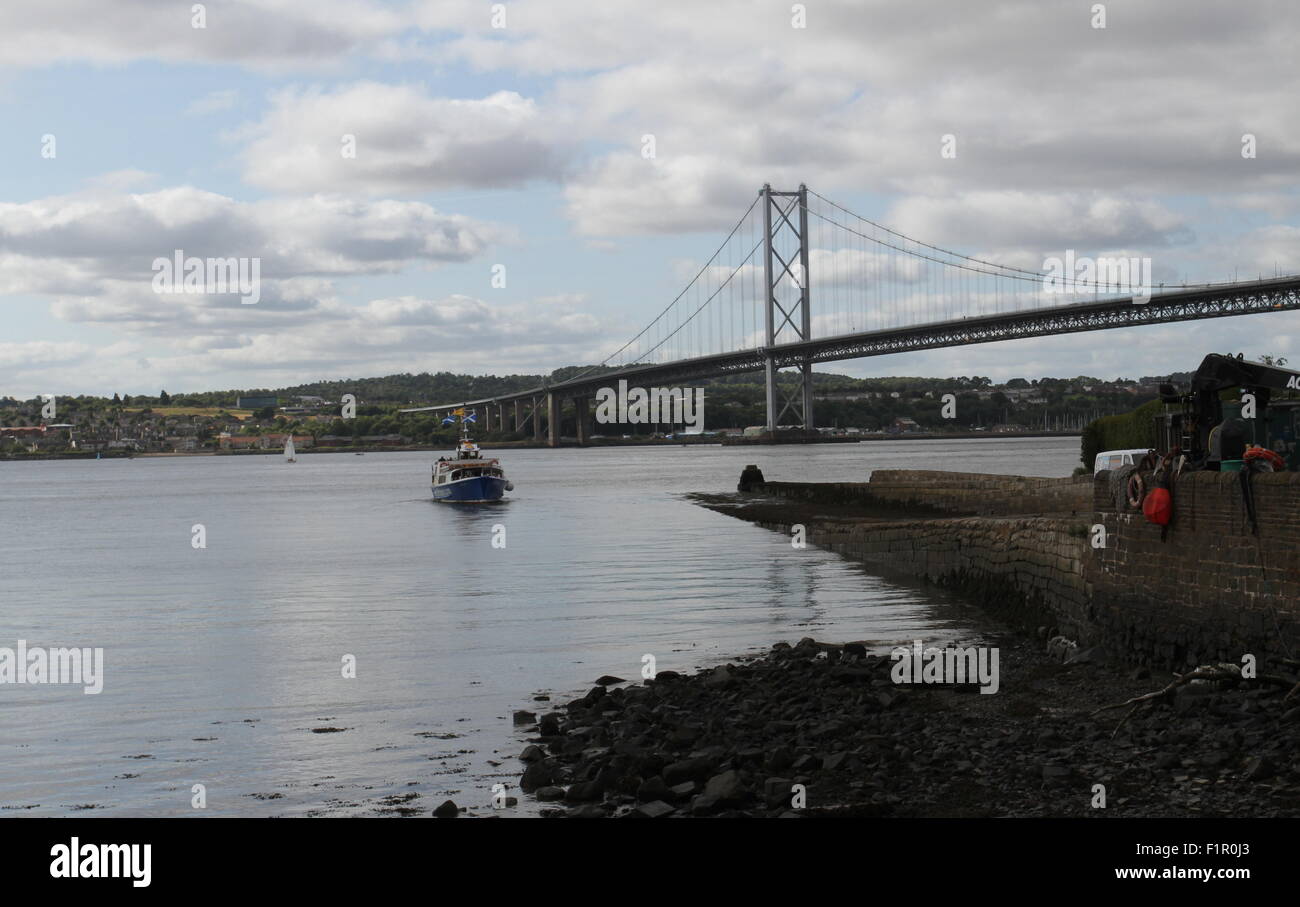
(684, 791)
(726, 788)
(522, 717)
(704, 805)
(720, 678)
(751, 479)
(584, 791)
(655, 809)
(549, 794)
(549, 724)
(538, 774)
(532, 753)
(777, 791)
(1056, 773)
(1260, 768)
(608, 680)
(1168, 761)
(652, 789)
(447, 810)
(780, 759)
(696, 769)
(588, 811)
(834, 761)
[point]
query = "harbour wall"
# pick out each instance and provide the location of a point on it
(1211, 590)
(963, 494)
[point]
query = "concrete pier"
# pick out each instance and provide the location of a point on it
(552, 420)
(580, 415)
(1065, 553)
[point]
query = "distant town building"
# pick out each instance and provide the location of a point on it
(271, 441)
(257, 402)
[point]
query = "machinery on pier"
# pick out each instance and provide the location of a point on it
(1212, 432)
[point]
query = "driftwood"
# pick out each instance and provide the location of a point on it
(1221, 671)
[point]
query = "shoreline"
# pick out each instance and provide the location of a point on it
(733, 741)
(533, 445)
(831, 730)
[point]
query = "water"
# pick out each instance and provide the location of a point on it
(220, 662)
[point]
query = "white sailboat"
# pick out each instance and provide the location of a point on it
(289, 455)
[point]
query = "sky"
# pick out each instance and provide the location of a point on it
(383, 162)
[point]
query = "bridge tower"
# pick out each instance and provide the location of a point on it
(785, 248)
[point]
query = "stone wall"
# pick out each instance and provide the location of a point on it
(957, 493)
(1028, 569)
(1210, 591)
(1212, 587)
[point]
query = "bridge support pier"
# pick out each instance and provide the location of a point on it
(518, 425)
(580, 415)
(537, 419)
(552, 420)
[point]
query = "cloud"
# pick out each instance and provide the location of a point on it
(1004, 219)
(381, 336)
(1038, 100)
(95, 251)
(403, 141)
(265, 34)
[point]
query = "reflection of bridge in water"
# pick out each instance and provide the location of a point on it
(878, 291)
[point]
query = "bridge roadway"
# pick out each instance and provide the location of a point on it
(532, 406)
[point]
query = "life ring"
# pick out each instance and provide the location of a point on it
(1272, 457)
(1136, 490)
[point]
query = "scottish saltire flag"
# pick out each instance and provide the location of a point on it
(450, 420)
(472, 417)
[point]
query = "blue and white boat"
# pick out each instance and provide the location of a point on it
(468, 477)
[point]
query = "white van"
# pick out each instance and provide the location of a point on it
(1114, 459)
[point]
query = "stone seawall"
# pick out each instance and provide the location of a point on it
(1210, 591)
(1213, 588)
(964, 494)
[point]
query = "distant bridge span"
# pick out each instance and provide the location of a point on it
(791, 341)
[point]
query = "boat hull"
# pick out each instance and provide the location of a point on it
(472, 490)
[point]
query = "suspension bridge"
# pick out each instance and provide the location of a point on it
(876, 291)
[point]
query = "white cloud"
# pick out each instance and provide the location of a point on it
(404, 141)
(268, 34)
(99, 246)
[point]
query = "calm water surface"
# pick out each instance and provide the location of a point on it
(222, 662)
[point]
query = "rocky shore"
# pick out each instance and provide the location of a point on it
(816, 729)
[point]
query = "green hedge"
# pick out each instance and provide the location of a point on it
(1130, 430)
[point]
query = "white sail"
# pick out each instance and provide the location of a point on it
(289, 454)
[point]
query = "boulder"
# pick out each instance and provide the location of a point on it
(726, 788)
(655, 809)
